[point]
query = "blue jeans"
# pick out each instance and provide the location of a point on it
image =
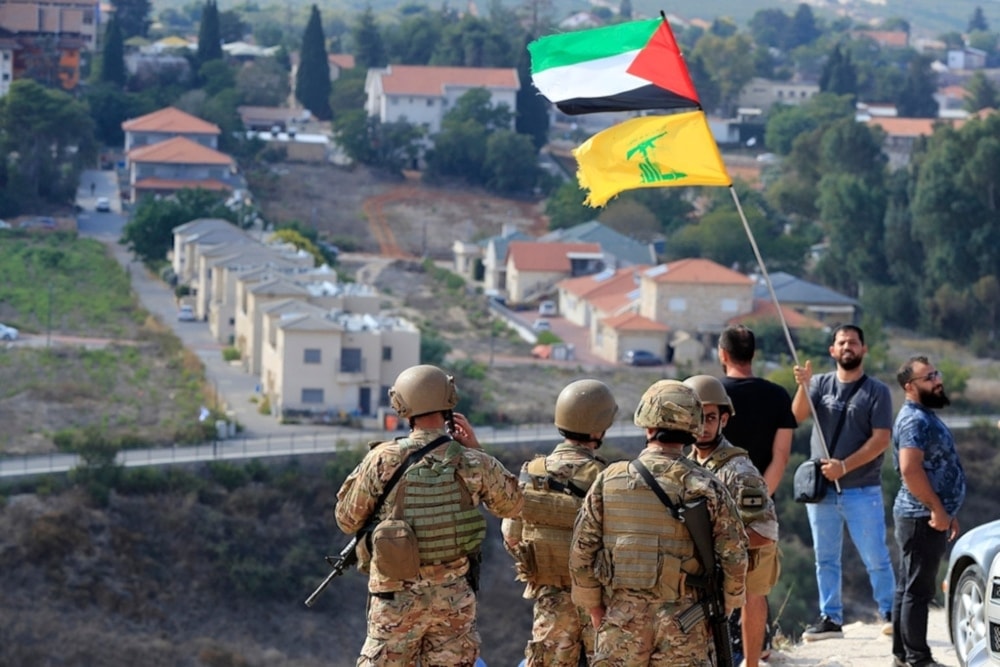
(921, 549)
(864, 513)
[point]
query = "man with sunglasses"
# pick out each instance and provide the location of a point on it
(933, 489)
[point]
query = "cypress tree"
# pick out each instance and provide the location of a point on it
(312, 81)
(532, 109)
(113, 55)
(209, 37)
(368, 45)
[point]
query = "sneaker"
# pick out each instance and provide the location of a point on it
(887, 624)
(897, 662)
(823, 629)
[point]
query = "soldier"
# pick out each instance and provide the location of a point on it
(422, 555)
(733, 467)
(634, 563)
(554, 487)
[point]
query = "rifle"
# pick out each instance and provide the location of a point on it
(695, 517)
(699, 524)
(348, 555)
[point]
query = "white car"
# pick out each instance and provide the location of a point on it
(541, 325)
(8, 333)
(186, 314)
(103, 205)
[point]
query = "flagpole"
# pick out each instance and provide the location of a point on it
(781, 315)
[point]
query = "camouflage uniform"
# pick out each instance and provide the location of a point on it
(641, 625)
(430, 620)
(734, 469)
(559, 627)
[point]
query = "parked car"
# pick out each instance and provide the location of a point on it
(8, 333)
(641, 358)
(547, 309)
(186, 313)
(965, 587)
(103, 205)
(4, 224)
(541, 325)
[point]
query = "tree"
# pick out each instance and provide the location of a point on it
(474, 42)
(803, 29)
(209, 37)
(47, 138)
(459, 152)
(232, 27)
(729, 62)
(312, 81)
(917, 97)
(625, 10)
(980, 93)
(565, 206)
(113, 55)
(369, 50)
(133, 17)
(263, 82)
(149, 234)
(770, 27)
(532, 110)
(348, 92)
(977, 22)
(109, 107)
(476, 105)
(414, 39)
(510, 165)
(839, 75)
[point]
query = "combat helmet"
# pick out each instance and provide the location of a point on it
(711, 391)
(584, 407)
(423, 389)
(670, 405)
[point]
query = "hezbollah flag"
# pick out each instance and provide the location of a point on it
(650, 152)
(624, 67)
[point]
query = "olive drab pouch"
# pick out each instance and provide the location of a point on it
(670, 585)
(395, 550)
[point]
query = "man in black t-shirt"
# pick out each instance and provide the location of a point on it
(763, 424)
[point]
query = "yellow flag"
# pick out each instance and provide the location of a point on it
(650, 152)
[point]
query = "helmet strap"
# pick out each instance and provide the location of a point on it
(667, 436)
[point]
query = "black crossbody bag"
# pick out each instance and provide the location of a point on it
(809, 485)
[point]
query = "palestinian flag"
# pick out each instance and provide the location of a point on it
(624, 67)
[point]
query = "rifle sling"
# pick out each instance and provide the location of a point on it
(398, 473)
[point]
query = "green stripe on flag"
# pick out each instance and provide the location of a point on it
(577, 47)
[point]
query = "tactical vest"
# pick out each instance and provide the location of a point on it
(434, 500)
(549, 511)
(751, 494)
(649, 549)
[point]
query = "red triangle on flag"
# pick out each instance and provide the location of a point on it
(661, 63)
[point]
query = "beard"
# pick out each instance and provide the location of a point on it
(849, 363)
(933, 399)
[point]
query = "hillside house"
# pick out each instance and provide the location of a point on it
(762, 94)
(694, 295)
(332, 364)
(175, 164)
(819, 305)
(533, 269)
(619, 250)
(422, 95)
(169, 123)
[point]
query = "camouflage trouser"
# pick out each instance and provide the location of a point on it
(433, 626)
(558, 631)
(639, 631)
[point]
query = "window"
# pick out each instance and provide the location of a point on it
(312, 395)
(430, 102)
(350, 360)
(386, 353)
(729, 305)
(383, 396)
(677, 305)
(312, 356)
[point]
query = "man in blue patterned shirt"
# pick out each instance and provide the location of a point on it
(932, 492)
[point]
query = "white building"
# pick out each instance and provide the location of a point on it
(423, 95)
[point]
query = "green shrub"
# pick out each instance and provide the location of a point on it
(230, 354)
(228, 475)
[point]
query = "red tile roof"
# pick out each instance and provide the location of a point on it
(181, 184)
(892, 38)
(590, 287)
(179, 150)
(697, 270)
(170, 120)
(634, 322)
(341, 60)
(432, 81)
(910, 127)
(553, 257)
